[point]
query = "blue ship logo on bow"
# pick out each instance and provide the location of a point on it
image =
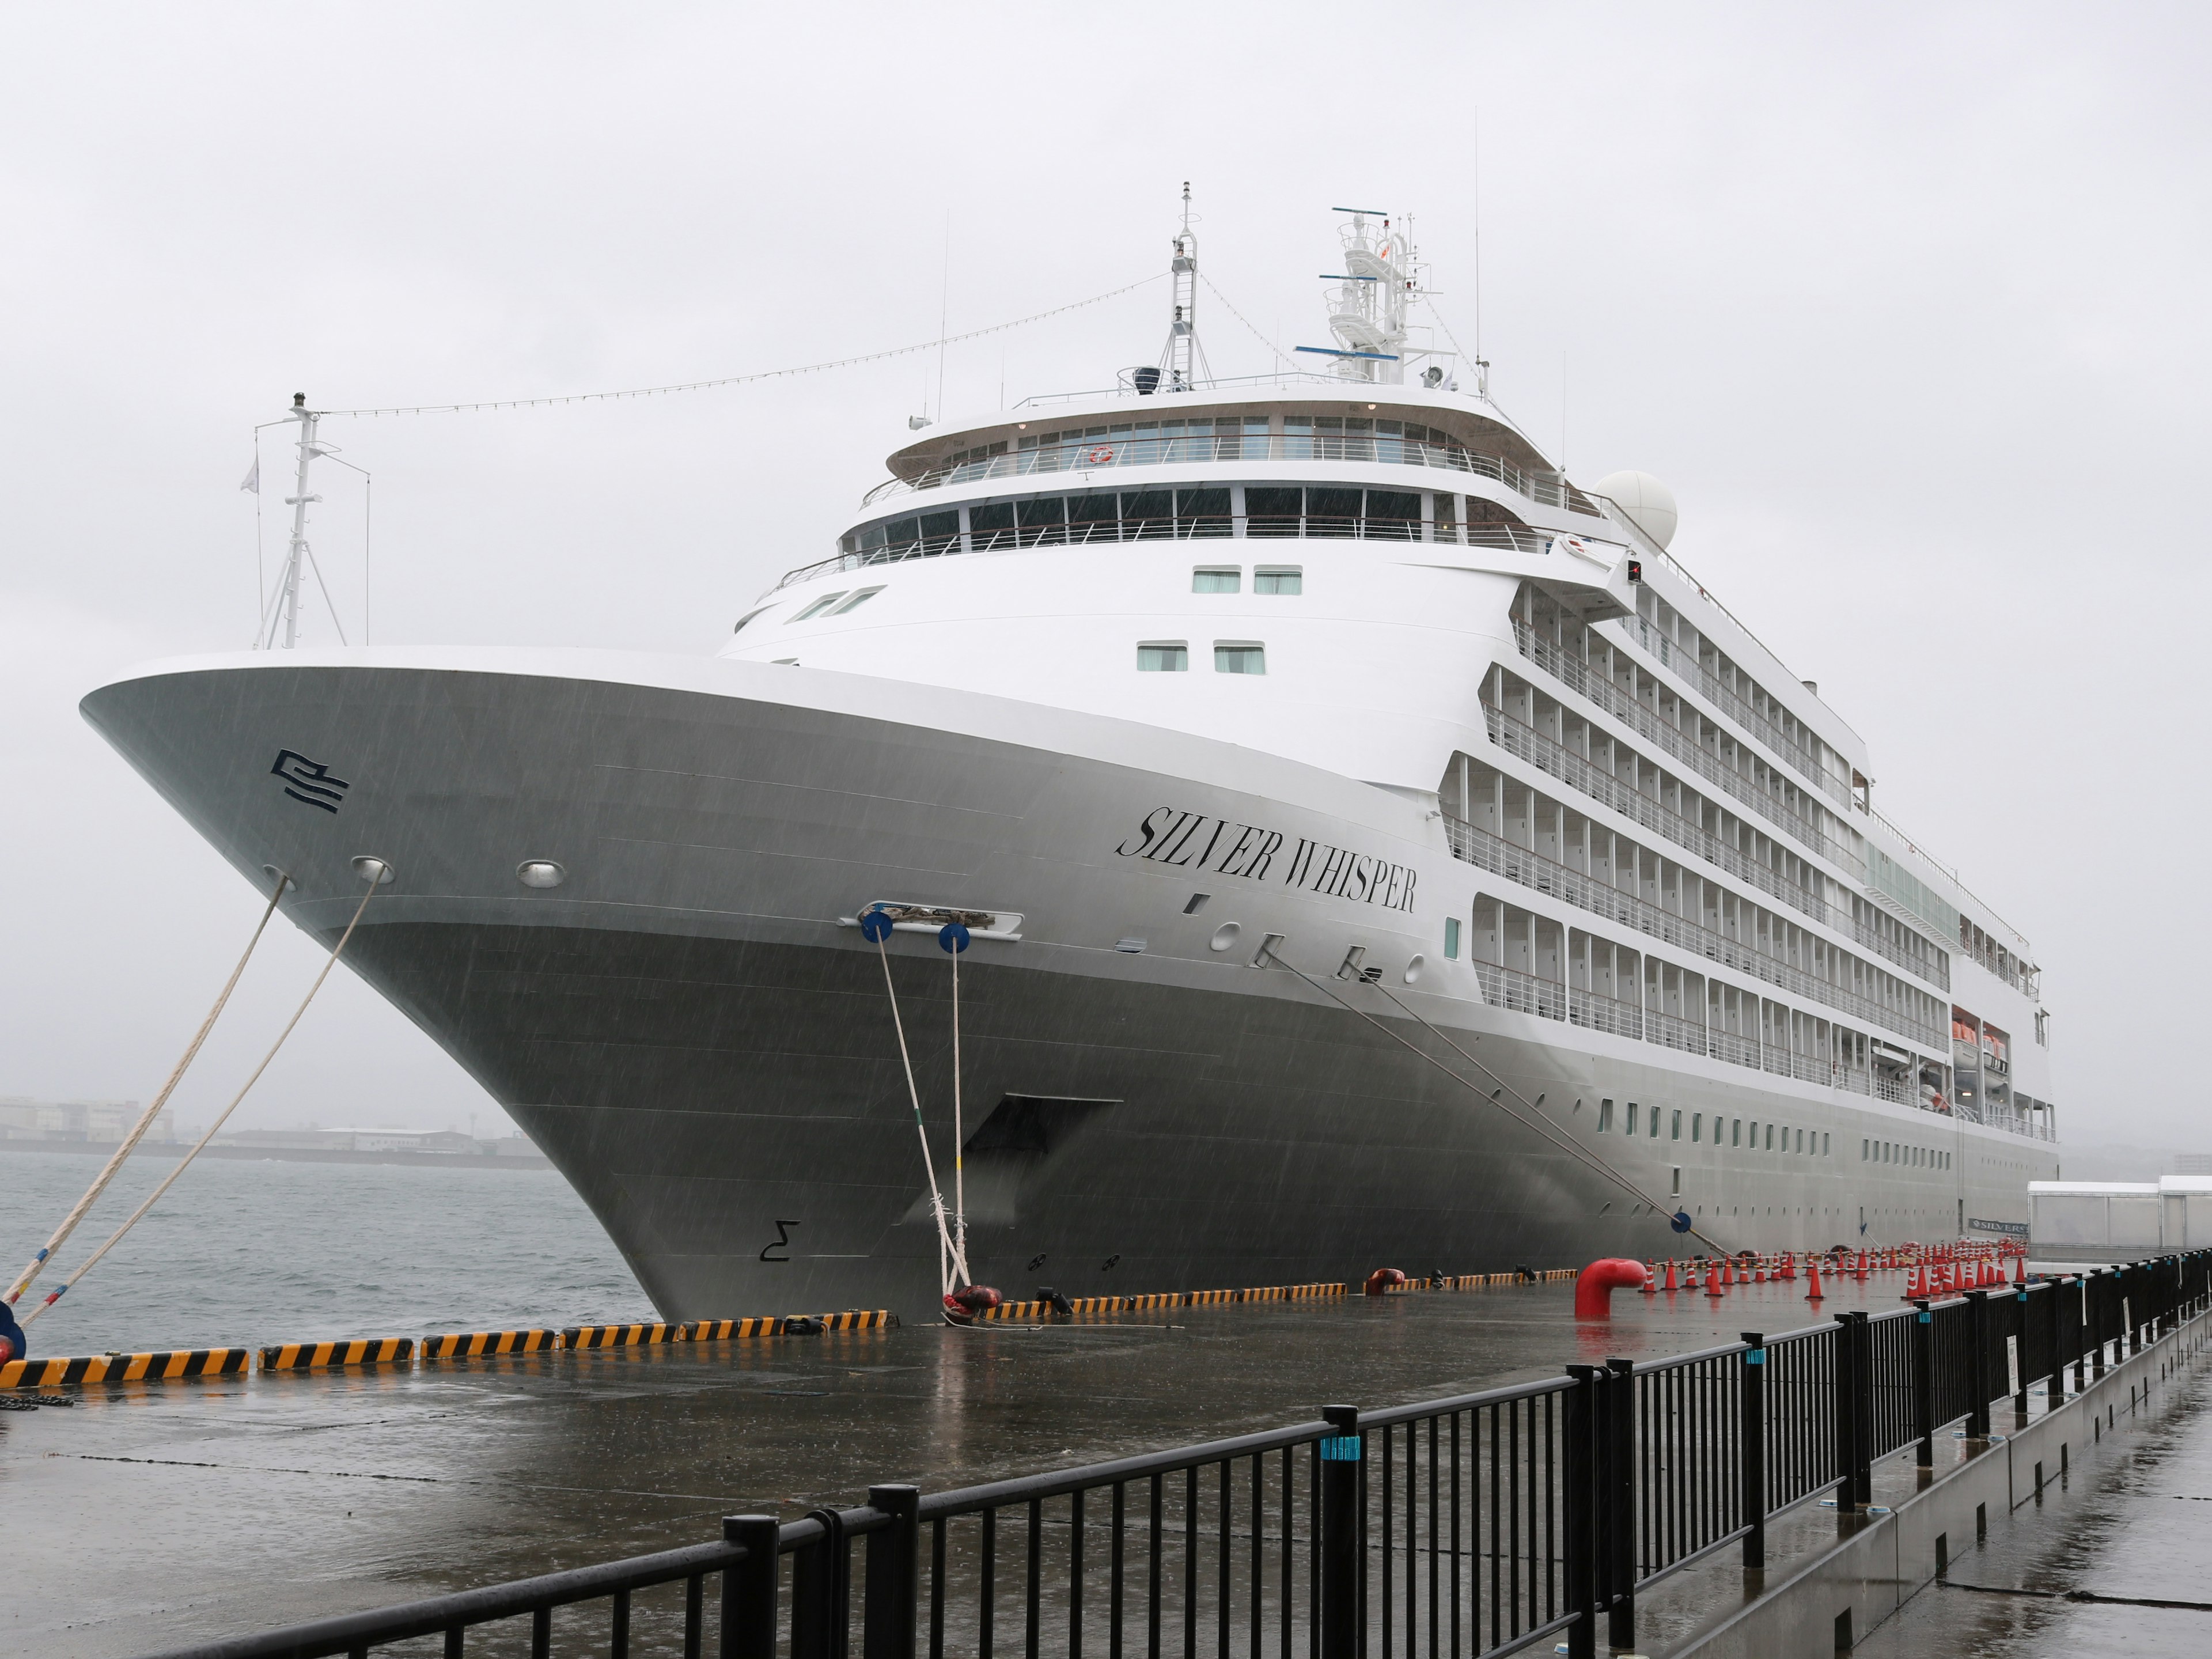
(309, 781)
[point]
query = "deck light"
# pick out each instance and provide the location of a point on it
(1636, 570)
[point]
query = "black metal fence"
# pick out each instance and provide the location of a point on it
(1473, 1526)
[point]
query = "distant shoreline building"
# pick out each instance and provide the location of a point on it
(22, 1118)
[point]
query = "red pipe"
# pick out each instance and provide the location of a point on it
(1596, 1284)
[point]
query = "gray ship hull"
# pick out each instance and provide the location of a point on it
(696, 1036)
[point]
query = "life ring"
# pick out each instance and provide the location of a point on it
(1100, 455)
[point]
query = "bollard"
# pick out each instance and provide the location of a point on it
(1340, 1545)
(1596, 1284)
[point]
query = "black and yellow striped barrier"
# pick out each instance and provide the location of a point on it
(469, 1345)
(621, 1336)
(1089, 1305)
(723, 1330)
(125, 1367)
(361, 1351)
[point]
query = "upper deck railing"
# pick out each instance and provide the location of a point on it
(1118, 449)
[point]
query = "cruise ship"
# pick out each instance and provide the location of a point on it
(1371, 847)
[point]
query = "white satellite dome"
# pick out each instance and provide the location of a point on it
(1649, 503)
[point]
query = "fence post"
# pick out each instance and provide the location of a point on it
(1854, 1393)
(1578, 1508)
(1924, 1382)
(893, 1576)
(1341, 1455)
(748, 1587)
(2054, 1386)
(1618, 1504)
(1978, 1363)
(2020, 1352)
(2099, 1283)
(1753, 1431)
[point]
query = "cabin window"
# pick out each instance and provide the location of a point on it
(856, 602)
(1451, 938)
(1216, 579)
(1605, 1117)
(1736, 1133)
(1147, 515)
(1674, 1130)
(1164, 657)
(1202, 513)
(1697, 1127)
(1631, 1117)
(988, 524)
(1277, 578)
(1239, 657)
(820, 605)
(1271, 510)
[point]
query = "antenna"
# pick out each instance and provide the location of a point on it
(1183, 359)
(280, 627)
(286, 615)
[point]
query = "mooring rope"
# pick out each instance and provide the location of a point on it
(959, 1162)
(375, 875)
(145, 1118)
(928, 1165)
(1538, 1123)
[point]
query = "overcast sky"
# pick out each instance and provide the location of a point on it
(1908, 303)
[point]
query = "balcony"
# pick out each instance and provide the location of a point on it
(1733, 703)
(1501, 857)
(1525, 742)
(1571, 671)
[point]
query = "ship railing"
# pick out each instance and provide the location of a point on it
(1502, 537)
(1478, 846)
(1113, 451)
(1521, 993)
(1578, 675)
(1518, 738)
(1480, 1524)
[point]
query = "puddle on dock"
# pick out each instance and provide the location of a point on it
(248, 1502)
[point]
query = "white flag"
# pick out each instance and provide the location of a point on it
(254, 477)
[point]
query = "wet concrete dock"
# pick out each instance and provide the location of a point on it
(2111, 1561)
(220, 1508)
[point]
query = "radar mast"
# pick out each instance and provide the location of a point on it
(1182, 362)
(1367, 314)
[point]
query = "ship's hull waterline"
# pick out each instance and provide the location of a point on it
(686, 1029)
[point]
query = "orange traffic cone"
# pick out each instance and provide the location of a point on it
(1712, 1281)
(1670, 1274)
(1650, 1278)
(1812, 1271)
(2019, 1270)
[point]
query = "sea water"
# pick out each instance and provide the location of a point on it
(246, 1254)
